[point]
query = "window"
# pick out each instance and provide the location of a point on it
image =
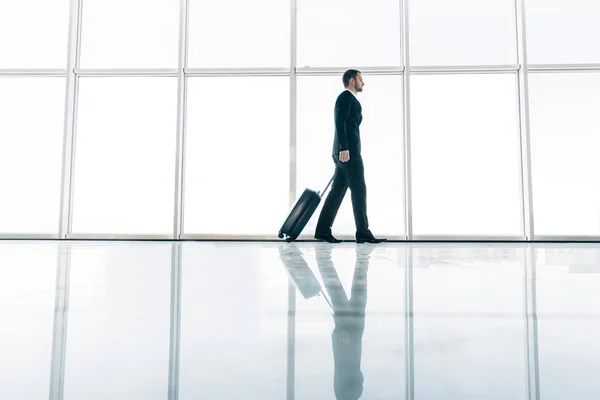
(142, 34)
(118, 333)
(465, 155)
(34, 34)
(382, 149)
(240, 346)
(347, 272)
(125, 156)
(348, 33)
(239, 33)
(567, 315)
(462, 32)
(31, 142)
(466, 313)
(564, 153)
(237, 155)
(560, 32)
(27, 293)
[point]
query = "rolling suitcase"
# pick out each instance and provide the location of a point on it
(301, 213)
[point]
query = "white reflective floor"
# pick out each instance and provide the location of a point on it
(191, 320)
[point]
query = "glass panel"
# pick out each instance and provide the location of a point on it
(568, 304)
(365, 337)
(348, 33)
(382, 149)
(561, 32)
(256, 34)
(35, 33)
(119, 311)
(234, 323)
(462, 32)
(237, 155)
(27, 291)
(125, 156)
(142, 34)
(31, 144)
(469, 331)
(564, 153)
(465, 155)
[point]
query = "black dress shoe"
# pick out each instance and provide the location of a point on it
(327, 237)
(367, 237)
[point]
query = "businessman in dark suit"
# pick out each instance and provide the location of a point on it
(349, 168)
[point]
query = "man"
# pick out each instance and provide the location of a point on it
(349, 169)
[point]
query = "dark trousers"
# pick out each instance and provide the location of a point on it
(351, 175)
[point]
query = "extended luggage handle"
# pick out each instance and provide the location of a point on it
(326, 187)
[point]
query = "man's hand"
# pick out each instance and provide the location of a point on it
(344, 337)
(344, 155)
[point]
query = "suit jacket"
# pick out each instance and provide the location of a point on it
(347, 116)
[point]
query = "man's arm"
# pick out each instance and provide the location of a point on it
(343, 105)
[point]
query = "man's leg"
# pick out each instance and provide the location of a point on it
(332, 204)
(358, 188)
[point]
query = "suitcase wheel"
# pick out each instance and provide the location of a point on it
(280, 235)
(288, 239)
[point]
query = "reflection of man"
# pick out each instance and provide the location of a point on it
(349, 168)
(349, 318)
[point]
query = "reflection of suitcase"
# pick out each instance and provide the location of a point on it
(299, 272)
(301, 213)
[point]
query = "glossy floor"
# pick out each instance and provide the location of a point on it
(161, 320)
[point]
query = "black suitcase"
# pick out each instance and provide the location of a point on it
(301, 213)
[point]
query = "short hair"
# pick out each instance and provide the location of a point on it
(349, 74)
